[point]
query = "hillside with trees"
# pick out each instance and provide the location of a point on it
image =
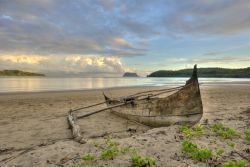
(18, 73)
(130, 74)
(205, 72)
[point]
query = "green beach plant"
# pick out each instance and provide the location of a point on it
(199, 129)
(109, 153)
(202, 154)
(223, 131)
(110, 142)
(124, 150)
(111, 149)
(188, 147)
(238, 163)
(89, 158)
(192, 150)
(186, 131)
(247, 135)
(139, 161)
(151, 161)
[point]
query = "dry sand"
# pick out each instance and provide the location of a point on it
(34, 130)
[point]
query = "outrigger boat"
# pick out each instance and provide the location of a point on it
(181, 107)
(153, 108)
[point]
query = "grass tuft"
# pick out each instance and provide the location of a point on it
(231, 163)
(199, 129)
(192, 150)
(89, 157)
(223, 131)
(202, 154)
(109, 153)
(189, 147)
(186, 131)
(247, 135)
(139, 161)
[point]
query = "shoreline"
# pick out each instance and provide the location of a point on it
(74, 90)
(233, 83)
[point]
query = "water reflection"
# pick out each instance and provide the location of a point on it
(30, 84)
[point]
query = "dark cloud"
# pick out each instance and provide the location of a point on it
(63, 27)
(90, 26)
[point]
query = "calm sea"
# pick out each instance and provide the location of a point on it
(37, 84)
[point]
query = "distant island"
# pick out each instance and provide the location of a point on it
(18, 73)
(205, 72)
(130, 74)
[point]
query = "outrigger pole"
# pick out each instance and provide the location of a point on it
(130, 96)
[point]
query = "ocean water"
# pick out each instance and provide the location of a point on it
(38, 84)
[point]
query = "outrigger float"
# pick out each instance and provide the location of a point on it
(154, 108)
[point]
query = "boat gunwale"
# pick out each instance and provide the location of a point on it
(148, 97)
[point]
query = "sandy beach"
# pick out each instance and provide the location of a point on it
(34, 130)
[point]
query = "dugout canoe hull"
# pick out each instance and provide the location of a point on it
(181, 107)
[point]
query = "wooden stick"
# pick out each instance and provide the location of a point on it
(118, 105)
(104, 109)
(97, 104)
(134, 95)
(156, 90)
(75, 129)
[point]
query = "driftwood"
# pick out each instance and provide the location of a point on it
(72, 119)
(75, 128)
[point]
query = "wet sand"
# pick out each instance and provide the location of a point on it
(34, 129)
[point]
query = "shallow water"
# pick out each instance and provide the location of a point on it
(37, 84)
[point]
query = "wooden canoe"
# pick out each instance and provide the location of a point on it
(182, 107)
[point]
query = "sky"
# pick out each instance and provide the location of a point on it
(110, 37)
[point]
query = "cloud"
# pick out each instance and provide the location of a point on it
(209, 17)
(90, 27)
(225, 50)
(6, 17)
(241, 61)
(73, 64)
(63, 27)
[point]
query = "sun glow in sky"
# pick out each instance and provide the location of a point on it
(109, 37)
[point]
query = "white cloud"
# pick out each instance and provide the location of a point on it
(73, 64)
(6, 17)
